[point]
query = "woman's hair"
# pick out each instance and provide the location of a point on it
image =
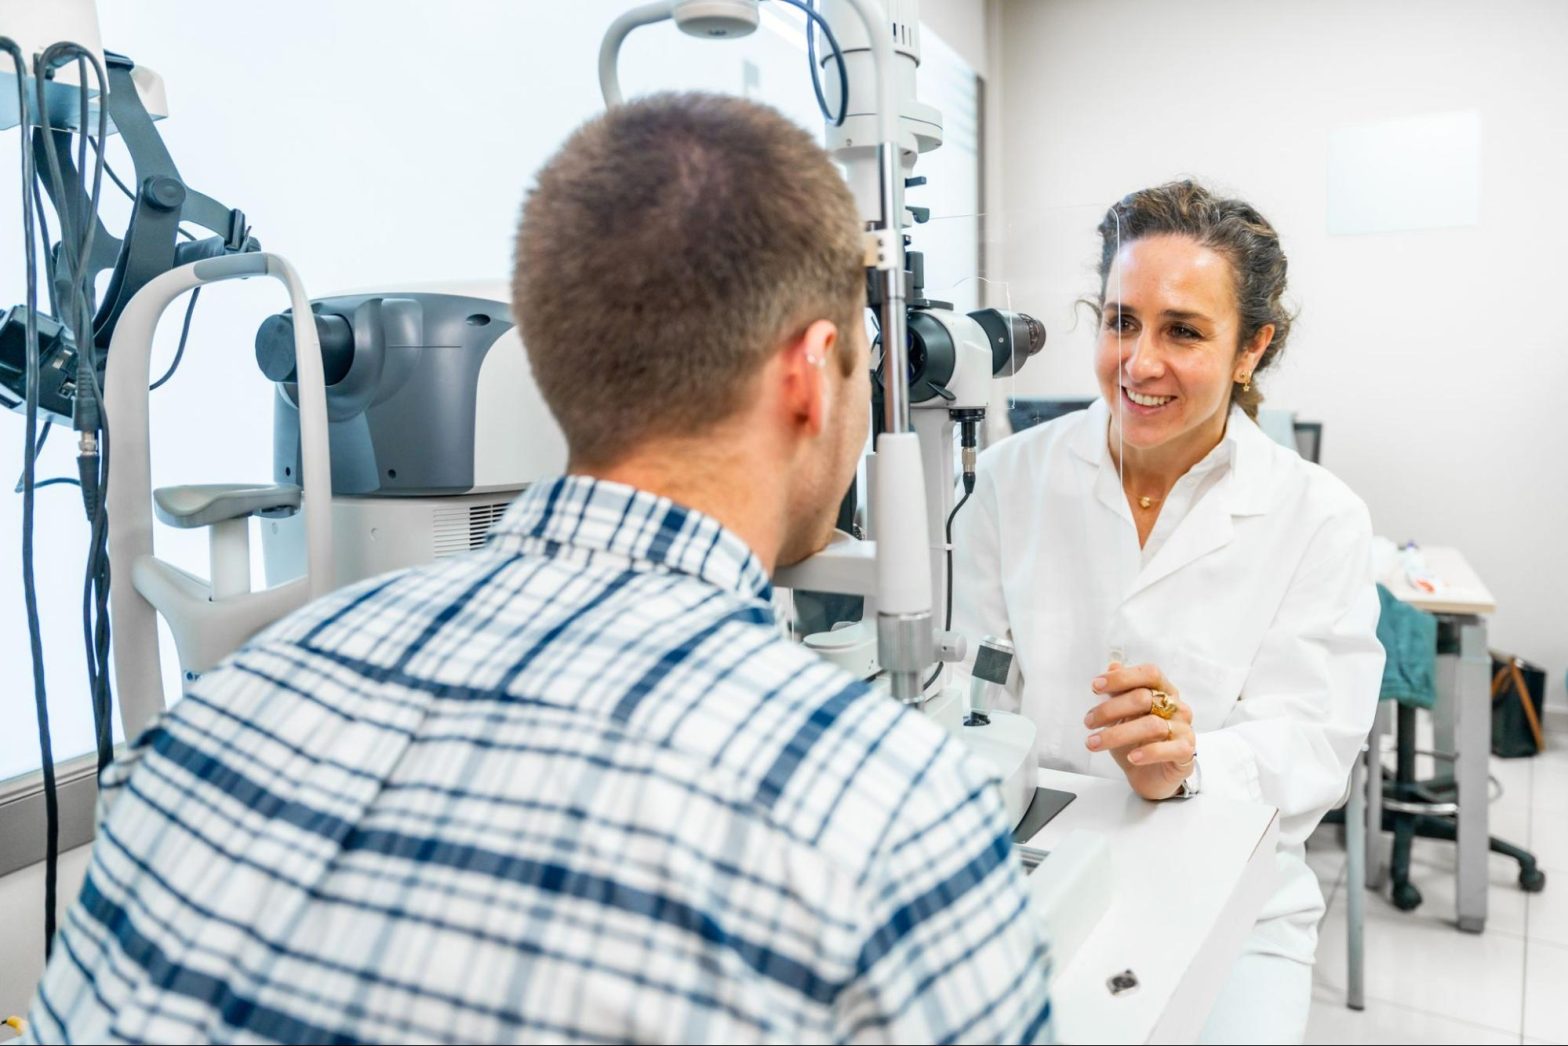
(1232, 228)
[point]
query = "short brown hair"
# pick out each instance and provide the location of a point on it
(1230, 227)
(666, 251)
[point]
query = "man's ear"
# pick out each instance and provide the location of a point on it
(803, 372)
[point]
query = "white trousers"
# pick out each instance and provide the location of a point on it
(1265, 1000)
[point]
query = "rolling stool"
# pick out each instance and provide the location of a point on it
(1413, 807)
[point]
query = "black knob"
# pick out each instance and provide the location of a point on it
(165, 194)
(275, 346)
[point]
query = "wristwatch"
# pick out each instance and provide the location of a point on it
(1190, 787)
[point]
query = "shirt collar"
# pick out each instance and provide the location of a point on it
(1223, 454)
(600, 516)
(1090, 442)
(1245, 450)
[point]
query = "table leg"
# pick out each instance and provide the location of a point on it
(1445, 715)
(1355, 882)
(1473, 739)
(1375, 864)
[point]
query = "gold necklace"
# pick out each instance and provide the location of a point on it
(1145, 502)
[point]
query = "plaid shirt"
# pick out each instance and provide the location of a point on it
(573, 786)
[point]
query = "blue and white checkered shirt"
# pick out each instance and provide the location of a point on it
(573, 786)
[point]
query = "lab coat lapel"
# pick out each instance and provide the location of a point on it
(1088, 442)
(1248, 489)
(1207, 527)
(1209, 524)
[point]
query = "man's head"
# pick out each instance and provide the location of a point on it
(689, 284)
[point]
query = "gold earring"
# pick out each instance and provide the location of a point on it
(1246, 380)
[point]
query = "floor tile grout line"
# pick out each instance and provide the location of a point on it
(1389, 914)
(1524, 987)
(1392, 916)
(1339, 879)
(1529, 842)
(1371, 995)
(1405, 1006)
(1497, 933)
(1524, 978)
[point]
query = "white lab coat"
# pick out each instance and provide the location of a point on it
(1259, 607)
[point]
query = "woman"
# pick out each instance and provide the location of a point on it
(1191, 603)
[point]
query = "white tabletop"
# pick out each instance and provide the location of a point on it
(1191, 877)
(1462, 592)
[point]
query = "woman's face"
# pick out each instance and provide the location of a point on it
(1167, 351)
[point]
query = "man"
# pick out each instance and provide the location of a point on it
(574, 786)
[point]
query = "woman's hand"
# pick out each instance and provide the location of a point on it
(1156, 754)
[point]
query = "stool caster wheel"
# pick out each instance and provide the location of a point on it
(1406, 897)
(1532, 880)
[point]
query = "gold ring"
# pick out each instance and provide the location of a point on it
(1170, 730)
(1161, 704)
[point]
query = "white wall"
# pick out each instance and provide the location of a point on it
(22, 905)
(1436, 358)
(962, 25)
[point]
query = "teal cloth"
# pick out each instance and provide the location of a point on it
(1409, 638)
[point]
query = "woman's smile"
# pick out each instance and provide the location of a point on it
(1145, 404)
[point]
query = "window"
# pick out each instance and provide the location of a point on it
(375, 151)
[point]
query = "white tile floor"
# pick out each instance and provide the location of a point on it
(1426, 981)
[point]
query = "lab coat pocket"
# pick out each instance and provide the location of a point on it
(1211, 688)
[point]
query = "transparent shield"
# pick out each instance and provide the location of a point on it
(1041, 264)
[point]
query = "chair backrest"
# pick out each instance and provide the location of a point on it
(1303, 437)
(1279, 425)
(1309, 440)
(1027, 413)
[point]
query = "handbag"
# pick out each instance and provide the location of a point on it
(1518, 690)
